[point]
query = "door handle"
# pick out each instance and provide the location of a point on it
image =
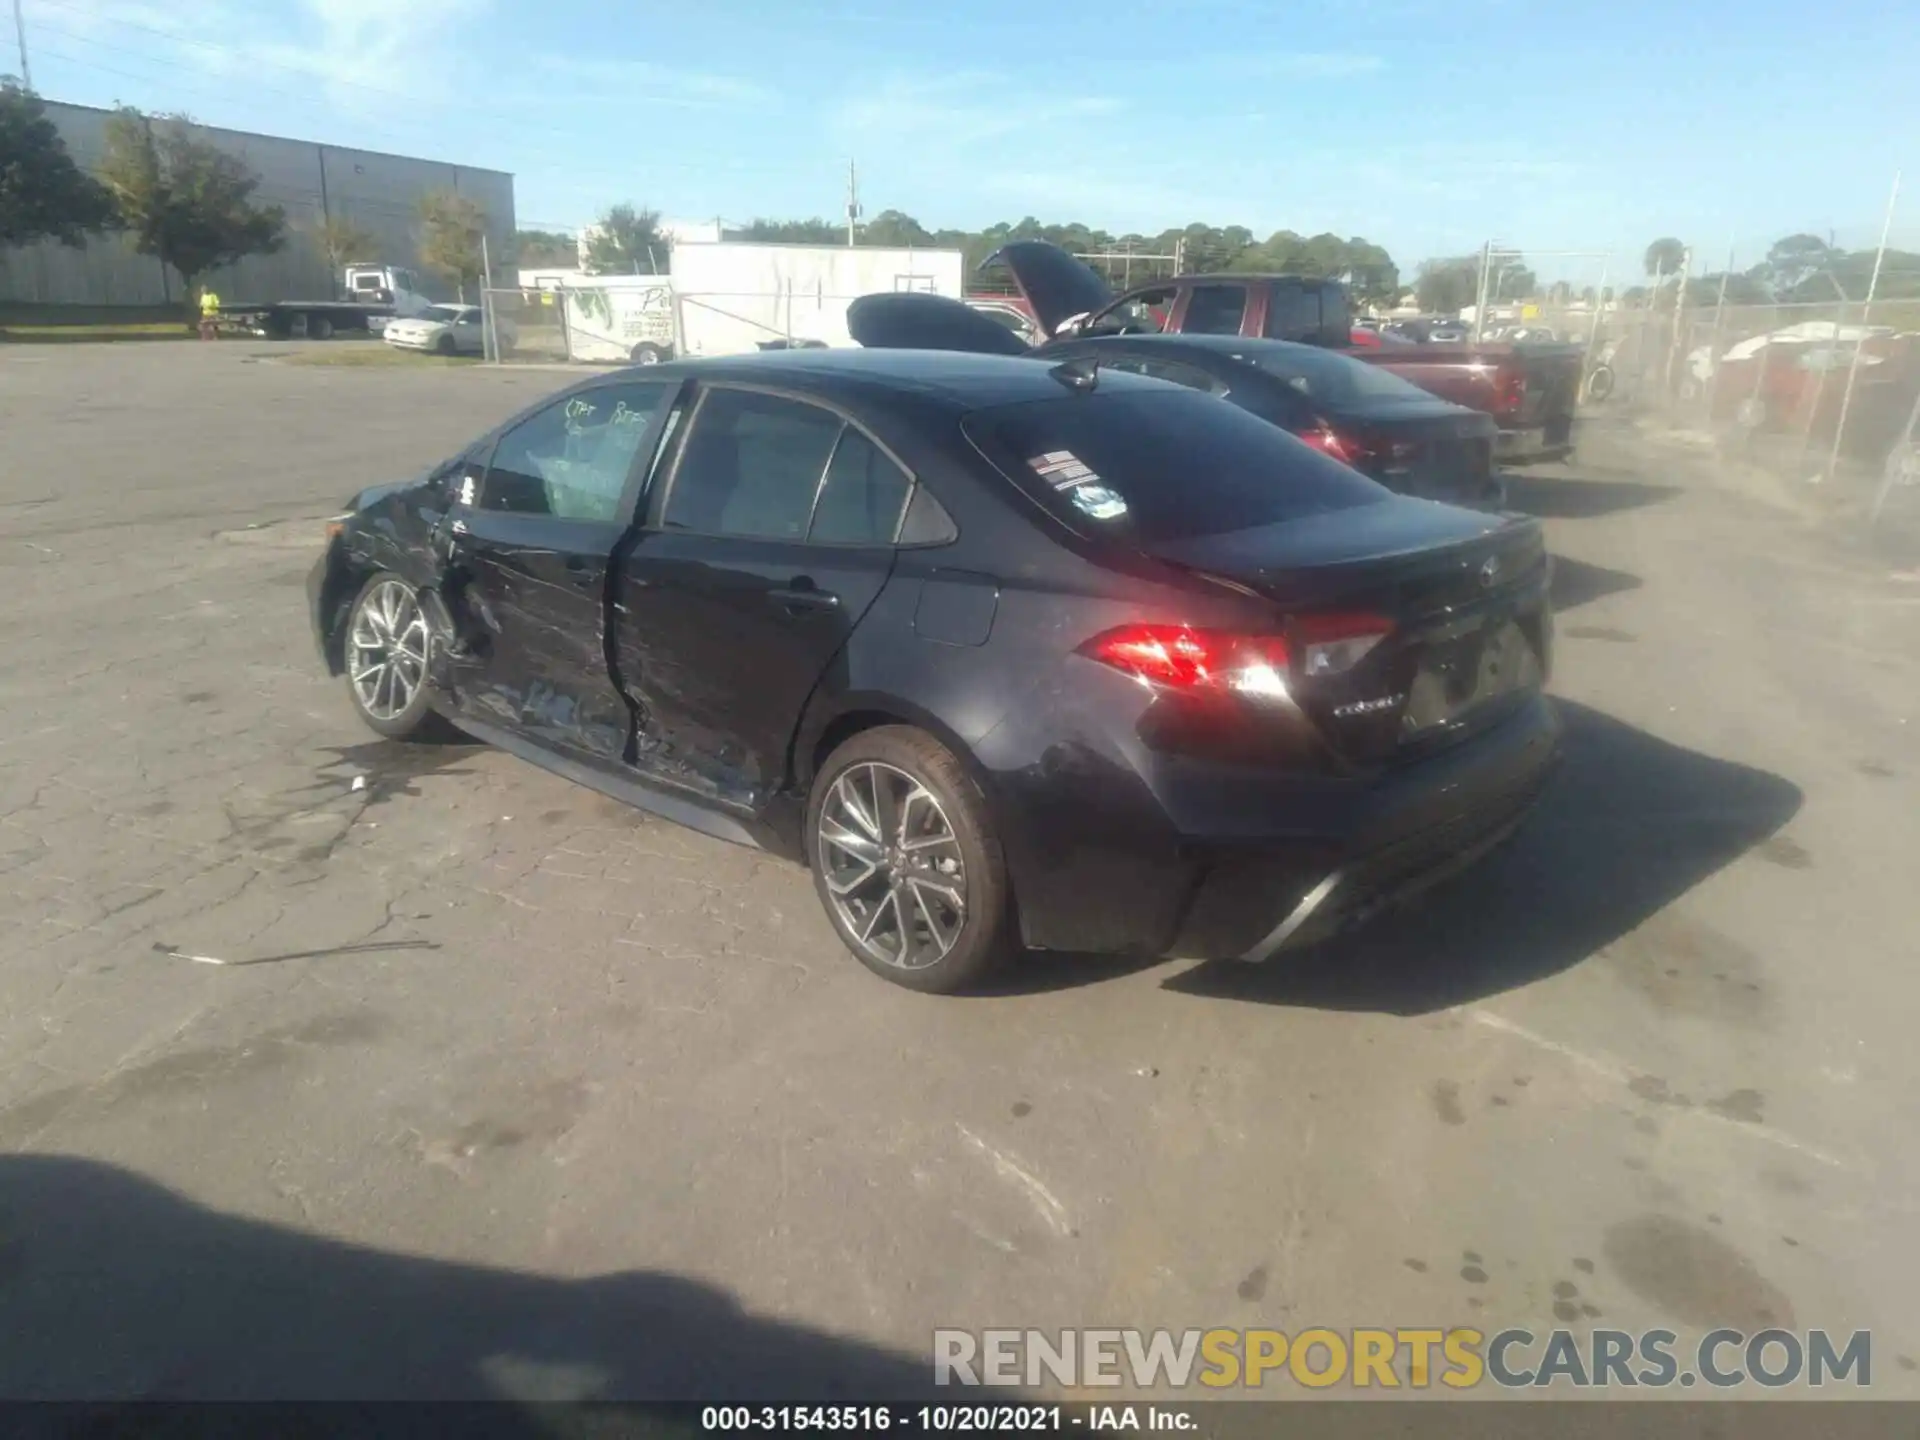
(798, 598)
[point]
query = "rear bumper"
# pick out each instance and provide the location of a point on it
(1534, 446)
(1115, 846)
(1405, 832)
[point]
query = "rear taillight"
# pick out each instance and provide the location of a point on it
(1509, 392)
(1183, 658)
(1186, 659)
(1332, 644)
(1327, 441)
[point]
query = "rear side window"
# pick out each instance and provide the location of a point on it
(1215, 310)
(860, 502)
(1148, 467)
(1293, 312)
(751, 466)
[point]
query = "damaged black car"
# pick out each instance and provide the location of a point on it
(1010, 655)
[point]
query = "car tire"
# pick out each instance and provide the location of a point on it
(398, 701)
(940, 844)
(319, 328)
(445, 346)
(647, 353)
(1600, 384)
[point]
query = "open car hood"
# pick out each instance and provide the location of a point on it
(905, 320)
(1057, 286)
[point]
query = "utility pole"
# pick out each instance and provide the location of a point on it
(1866, 319)
(1480, 299)
(20, 32)
(853, 201)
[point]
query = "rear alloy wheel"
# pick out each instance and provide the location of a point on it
(386, 654)
(906, 863)
(646, 353)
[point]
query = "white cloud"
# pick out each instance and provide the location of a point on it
(1305, 64)
(357, 55)
(958, 110)
(643, 82)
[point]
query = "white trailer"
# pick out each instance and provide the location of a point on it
(619, 318)
(732, 297)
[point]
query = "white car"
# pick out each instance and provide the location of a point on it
(448, 330)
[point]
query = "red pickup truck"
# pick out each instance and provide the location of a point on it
(1530, 390)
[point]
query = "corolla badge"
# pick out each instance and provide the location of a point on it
(1489, 573)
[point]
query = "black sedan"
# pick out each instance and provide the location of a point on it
(1407, 438)
(1009, 654)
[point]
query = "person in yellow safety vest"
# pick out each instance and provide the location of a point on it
(209, 312)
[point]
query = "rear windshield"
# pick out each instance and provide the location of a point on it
(1145, 467)
(1335, 380)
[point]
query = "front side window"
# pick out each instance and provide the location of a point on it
(571, 460)
(1142, 314)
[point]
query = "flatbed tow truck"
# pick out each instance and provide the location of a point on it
(379, 293)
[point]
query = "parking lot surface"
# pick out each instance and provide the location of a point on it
(501, 1088)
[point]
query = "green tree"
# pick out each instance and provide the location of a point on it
(1793, 268)
(627, 241)
(184, 200)
(794, 232)
(895, 228)
(342, 243)
(1663, 256)
(43, 194)
(1704, 292)
(452, 229)
(545, 250)
(1444, 287)
(1511, 280)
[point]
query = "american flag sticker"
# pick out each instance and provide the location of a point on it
(1062, 469)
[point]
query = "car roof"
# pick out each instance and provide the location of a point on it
(1226, 347)
(1229, 277)
(958, 378)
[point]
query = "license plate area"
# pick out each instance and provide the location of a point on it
(1463, 667)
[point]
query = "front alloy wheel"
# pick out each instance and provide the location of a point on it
(386, 654)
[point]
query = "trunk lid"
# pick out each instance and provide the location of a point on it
(1465, 596)
(1057, 286)
(1433, 451)
(905, 320)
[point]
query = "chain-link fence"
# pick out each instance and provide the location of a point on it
(644, 320)
(1836, 380)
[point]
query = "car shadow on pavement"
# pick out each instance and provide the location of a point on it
(1628, 825)
(1575, 497)
(115, 1289)
(1575, 582)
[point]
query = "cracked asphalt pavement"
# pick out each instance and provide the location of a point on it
(502, 1088)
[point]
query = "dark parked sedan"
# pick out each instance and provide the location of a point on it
(1408, 439)
(1008, 654)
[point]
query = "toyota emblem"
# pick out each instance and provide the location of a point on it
(1489, 573)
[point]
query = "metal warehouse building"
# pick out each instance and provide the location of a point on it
(379, 193)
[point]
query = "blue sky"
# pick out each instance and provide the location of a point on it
(1426, 125)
